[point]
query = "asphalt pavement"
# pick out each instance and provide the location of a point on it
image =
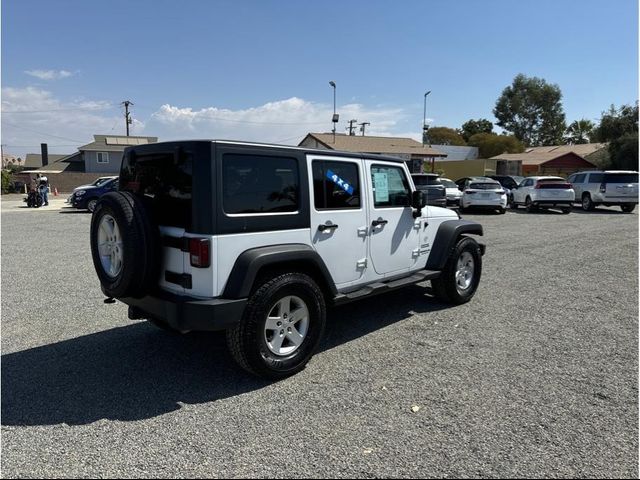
(536, 377)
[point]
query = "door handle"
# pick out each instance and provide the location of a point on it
(322, 228)
(375, 223)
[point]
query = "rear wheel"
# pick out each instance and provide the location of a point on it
(281, 327)
(461, 274)
(587, 203)
(627, 208)
(529, 205)
(513, 204)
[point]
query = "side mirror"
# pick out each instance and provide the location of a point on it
(418, 199)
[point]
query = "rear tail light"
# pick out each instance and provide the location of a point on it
(603, 187)
(199, 252)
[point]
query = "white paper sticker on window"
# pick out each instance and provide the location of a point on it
(381, 187)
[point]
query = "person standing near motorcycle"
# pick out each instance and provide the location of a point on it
(43, 187)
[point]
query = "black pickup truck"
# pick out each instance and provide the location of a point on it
(430, 183)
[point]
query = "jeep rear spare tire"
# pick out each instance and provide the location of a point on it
(124, 245)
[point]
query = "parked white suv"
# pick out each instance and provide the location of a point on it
(542, 193)
(609, 188)
(486, 194)
(258, 240)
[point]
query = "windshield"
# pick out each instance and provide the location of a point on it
(621, 178)
(100, 181)
(485, 186)
(448, 183)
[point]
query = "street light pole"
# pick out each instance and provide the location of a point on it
(334, 119)
(424, 117)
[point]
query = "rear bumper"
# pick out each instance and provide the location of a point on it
(187, 313)
(553, 203)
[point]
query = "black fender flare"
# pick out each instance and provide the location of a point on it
(446, 238)
(250, 262)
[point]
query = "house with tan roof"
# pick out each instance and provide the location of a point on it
(557, 159)
(414, 153)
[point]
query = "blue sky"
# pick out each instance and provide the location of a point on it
(259, 70)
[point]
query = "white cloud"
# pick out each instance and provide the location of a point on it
(284, 121)
(49, 74)
(31, 116)
(30, 113)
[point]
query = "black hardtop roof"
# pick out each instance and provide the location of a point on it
(151, 148)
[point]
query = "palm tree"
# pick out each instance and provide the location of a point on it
(579, 131)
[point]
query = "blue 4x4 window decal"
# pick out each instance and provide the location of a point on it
(346, 186)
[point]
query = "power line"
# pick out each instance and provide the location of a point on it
(109, 107)
(41, 133)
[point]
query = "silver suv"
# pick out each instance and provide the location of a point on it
(609, 188)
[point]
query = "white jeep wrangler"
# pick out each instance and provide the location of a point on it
(257, 240)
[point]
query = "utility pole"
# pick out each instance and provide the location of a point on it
(351, 128)
(127, 118)
(363, 125)
(2, 154)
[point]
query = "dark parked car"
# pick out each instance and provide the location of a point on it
(508, 182)
(87, 197)
(430, 183)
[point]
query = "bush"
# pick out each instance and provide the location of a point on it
(6, 181)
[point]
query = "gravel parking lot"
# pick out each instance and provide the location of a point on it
(537, 376)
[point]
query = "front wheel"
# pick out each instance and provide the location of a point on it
(627, 208)
(502, 211)
(91, 204)
(281, 327)
(566, 210)
(461, 274)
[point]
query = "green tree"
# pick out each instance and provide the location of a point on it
(531, 109)
(624, 152)
(617, 122)
(580, 131)
(472, 127)
(444, 136)
(6, 181)
(619, 127)
(489, 144)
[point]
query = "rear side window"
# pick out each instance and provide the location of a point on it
(259, 184)
(596, 177)
(166, 182)
(579, 178)
(336, 185)
(390, 187)
(621, 178)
